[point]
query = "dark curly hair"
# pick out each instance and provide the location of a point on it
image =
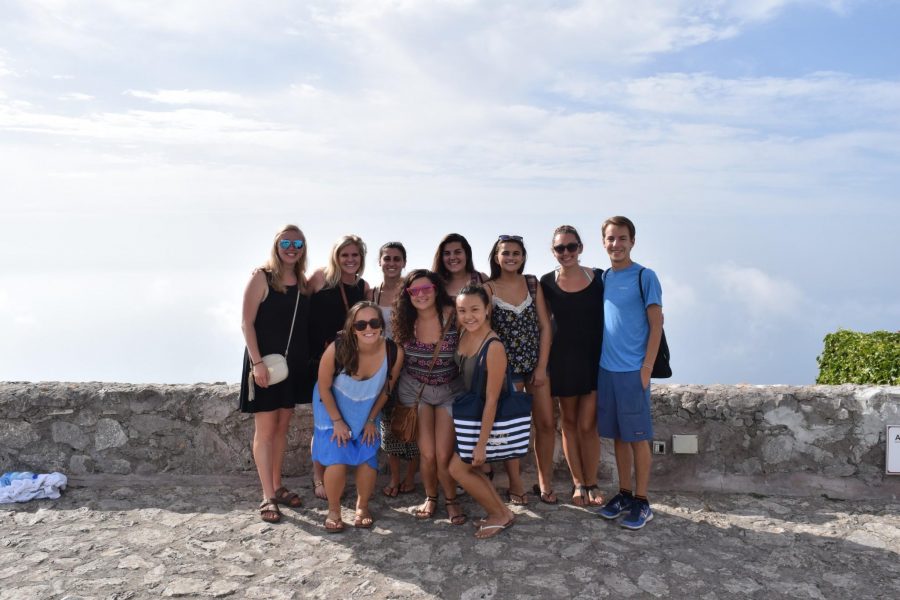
(346, 347)
(403, 321)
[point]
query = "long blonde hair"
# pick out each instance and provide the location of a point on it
(333, 270)
(275, 268)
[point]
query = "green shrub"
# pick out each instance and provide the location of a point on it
(853, 357)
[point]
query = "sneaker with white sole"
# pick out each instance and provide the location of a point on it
(619, 505)
(639, 516)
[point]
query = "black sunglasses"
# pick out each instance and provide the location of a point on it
(361, 325)
(509, 238)
(571, 247)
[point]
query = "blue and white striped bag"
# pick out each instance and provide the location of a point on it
(511, 430)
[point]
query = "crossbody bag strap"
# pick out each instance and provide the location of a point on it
(390, 350)
(437, 350)
(344, 296)
(293, 320)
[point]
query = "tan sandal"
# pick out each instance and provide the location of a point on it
(363, 520)
(423, 512)
(488, 531)
(594, 496)
(334, 525)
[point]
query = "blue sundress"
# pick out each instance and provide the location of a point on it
(355, 399)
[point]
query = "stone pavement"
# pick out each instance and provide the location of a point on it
(131, 537)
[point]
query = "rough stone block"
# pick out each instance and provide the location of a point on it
(64, 432)
(17, 434)
(109, 435)
(117, 466)
(80, 464)
(147, 425)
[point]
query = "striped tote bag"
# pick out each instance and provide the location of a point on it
(511, 430)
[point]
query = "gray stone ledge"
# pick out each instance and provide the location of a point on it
(795, 440)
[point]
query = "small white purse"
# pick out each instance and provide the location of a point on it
(277, 367)
(276, 364)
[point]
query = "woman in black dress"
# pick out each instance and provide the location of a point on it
(574, 295)
(274, 320)
(343, 287)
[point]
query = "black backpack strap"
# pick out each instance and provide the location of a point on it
(641, 287)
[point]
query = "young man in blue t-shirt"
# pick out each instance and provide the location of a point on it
(632, 329)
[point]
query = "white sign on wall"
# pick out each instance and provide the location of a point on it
(892, 460)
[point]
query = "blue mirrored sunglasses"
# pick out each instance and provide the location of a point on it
(510, 238)
(285, 244)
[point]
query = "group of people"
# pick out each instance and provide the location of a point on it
(423, 340)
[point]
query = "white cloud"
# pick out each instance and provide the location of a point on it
(77, 97)
(758, 293)
(226, 316)
(204, 97)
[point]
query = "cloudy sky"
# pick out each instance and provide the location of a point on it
(150, 150)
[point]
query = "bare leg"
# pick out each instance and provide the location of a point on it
(588, 440)
(444, 439)
(480, 488)
(393, 488)
(544, 433)
(643, 459)
(365, 483)
(265, 427)
(409, 482)
(428, 457)
(624, 461)
(280, 444)
(568, 406)
(335, 480)
(514, 474)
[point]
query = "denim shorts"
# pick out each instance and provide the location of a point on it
(623, 407)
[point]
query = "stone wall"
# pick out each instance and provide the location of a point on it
(763, 439)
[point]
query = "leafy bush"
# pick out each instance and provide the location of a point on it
(853, 357)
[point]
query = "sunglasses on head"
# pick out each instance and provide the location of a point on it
(419, 290)
(510, 238)
(285, 244)
(571, 247)
(361, 325)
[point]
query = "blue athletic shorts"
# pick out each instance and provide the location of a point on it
(623, 407)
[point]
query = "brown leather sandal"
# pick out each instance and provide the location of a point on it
(459, 519)
(286, 497)
(548, 497)
(268, 511)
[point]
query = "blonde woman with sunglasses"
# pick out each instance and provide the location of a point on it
(343, 287)
(274, 318)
